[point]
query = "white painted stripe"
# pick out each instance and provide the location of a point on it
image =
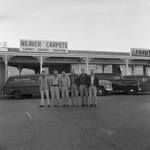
(109, 132)
(29, 115)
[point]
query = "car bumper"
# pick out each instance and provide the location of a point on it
(109, 89)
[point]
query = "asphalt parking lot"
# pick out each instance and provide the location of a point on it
(120, 122)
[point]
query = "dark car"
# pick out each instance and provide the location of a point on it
(144, 81)
(119, 83)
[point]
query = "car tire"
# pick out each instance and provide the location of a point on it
(101, 91)
(17, 95)
(131, 90)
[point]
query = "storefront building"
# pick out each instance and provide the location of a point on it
(16, 61)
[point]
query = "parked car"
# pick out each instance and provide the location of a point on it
(130, 87)
(22, 85)
(144, 81)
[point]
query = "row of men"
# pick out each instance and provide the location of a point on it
(55, 84)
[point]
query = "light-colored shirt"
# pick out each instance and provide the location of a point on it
(92, 79)
(65, 81)
(54, 80)
(44, 83)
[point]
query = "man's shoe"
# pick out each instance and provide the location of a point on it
(41, 106)
(54, 106)
(48, 106)
(91, 105)
(95, 105)
(67, 105)
(64, 105)
(82, 105)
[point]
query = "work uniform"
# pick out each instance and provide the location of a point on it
(83, 79)
(93, 85)
(55, 92)
(74, 80)
(44, 89)
(64, 86)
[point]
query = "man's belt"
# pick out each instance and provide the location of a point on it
(55, 85)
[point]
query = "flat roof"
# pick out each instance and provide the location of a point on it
(83, 52)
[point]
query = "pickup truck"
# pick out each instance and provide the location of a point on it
(119, 83)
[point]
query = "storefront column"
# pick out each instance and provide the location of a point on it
(6, 68)
(41, 60)
(41, 63)
(87, 61)
(127, 60)
(6, 59)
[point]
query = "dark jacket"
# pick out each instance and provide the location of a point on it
(96, 82)
(83, 79)
(76, 79)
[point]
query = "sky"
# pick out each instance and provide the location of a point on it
(95, 25)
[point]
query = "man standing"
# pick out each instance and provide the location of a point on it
(64, 86)
(43, 82)
(93, 85)
(74, 88)
(83, 81)
(54, 85)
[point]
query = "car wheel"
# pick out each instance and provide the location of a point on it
(131, 90)
(28, 95)
(101, 91)
(17, 95)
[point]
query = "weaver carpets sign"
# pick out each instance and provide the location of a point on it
(140, 52)
(43, 46)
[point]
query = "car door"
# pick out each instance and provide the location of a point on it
(117, 82)
(145, 84)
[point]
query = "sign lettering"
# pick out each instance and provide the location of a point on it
(43, 46)
(140, 52)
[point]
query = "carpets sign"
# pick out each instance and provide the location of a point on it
(140, 52)
(43, 46)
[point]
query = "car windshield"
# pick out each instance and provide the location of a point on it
(116, 77)
(144, 79)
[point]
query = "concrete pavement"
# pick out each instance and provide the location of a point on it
(120, 122)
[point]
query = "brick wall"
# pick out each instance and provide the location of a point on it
(2, 76)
